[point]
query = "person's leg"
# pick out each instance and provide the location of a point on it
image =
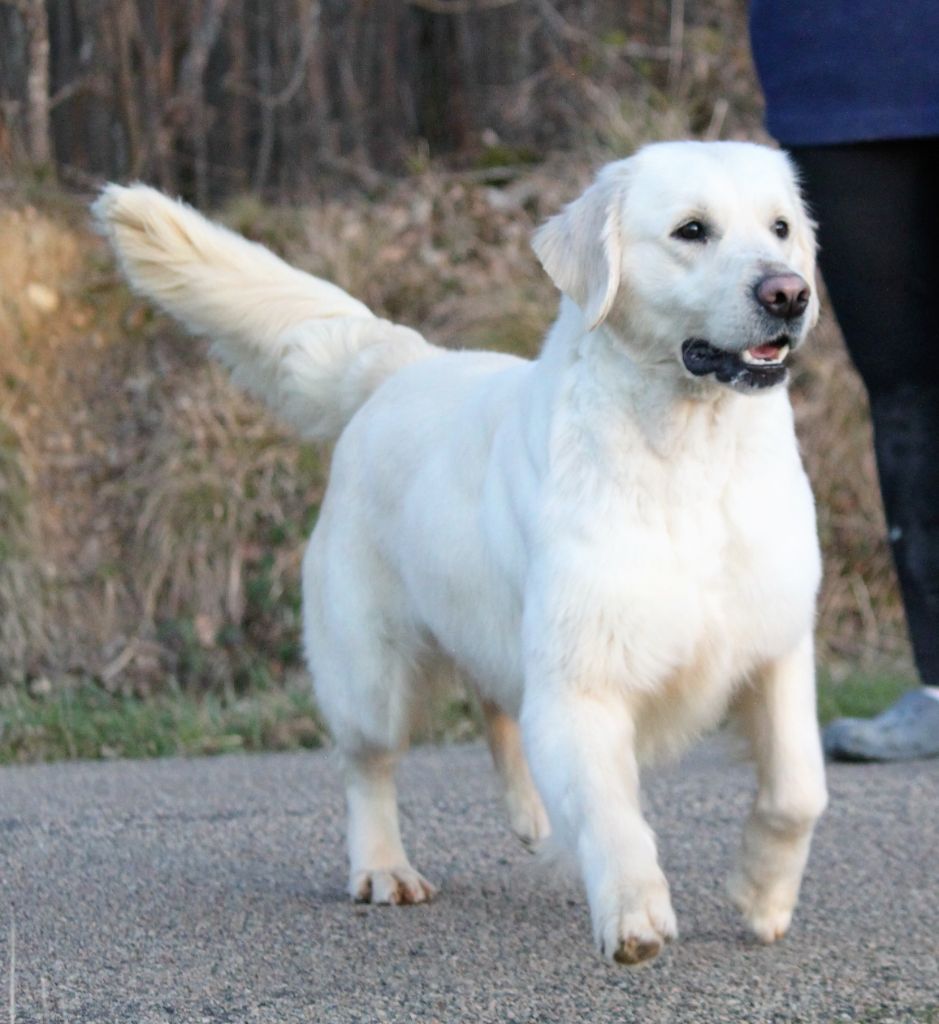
(878, 213)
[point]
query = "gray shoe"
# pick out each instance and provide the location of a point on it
(907, 730)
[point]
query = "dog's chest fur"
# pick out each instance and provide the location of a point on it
(664, 553)
(744, 559)
(668, 572)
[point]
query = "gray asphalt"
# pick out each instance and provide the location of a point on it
(212, 890)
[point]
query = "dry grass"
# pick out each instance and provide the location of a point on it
(152, 520)
(22, 608)
(32, 248)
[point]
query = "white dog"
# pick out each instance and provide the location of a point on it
(615, 543)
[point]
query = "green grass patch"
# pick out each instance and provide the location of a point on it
(86, 721)
(893, 1015)
(860, 695)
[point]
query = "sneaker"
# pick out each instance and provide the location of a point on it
(907, 730)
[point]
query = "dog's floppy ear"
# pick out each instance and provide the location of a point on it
(804, 239)
(581, 248)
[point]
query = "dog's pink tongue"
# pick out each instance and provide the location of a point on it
(767, 351)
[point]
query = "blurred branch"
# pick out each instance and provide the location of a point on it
(676, 43)
(73, 88)
(460, 6)
(282, 97)
(565, 30)
(203, 40)
(718, 116)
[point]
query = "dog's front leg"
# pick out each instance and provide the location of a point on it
(581, 751)
(779, 713)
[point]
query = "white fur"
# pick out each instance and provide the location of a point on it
(615, 553)
(303, 345)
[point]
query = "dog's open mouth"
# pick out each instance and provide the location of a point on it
(760, 366)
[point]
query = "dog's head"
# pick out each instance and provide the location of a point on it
(698, 256)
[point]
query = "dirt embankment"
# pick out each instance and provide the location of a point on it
(152, 519)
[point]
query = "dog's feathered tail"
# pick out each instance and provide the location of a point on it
(313, 353)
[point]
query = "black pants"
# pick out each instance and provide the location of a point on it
(877, 205)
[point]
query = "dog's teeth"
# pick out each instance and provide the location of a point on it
(778, 356)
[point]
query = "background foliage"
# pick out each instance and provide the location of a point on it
(152, 520)
(219, 96)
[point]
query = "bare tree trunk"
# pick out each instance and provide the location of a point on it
(192, 84)
(350, 92)
(6, 141)
(37, 85)
(38, 109)
(265, 77)
(167, 119)
(238, 132)
(125, 25)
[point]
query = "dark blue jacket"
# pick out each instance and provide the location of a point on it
(844, 71)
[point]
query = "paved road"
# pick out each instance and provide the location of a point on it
(212, 890)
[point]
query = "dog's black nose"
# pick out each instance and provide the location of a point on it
(783, 295)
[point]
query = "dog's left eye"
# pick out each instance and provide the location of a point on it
(781, 227)
(691, 231)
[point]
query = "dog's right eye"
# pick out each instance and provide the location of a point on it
(691, 231)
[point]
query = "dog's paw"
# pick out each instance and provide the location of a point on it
(632, 936)
(528, 818)
(767, 914)
(400, 886)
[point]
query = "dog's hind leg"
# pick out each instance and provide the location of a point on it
(365, 677)
(379, 870)
(778, 712)
(366, 700)
(527, 815)
(370, 722)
